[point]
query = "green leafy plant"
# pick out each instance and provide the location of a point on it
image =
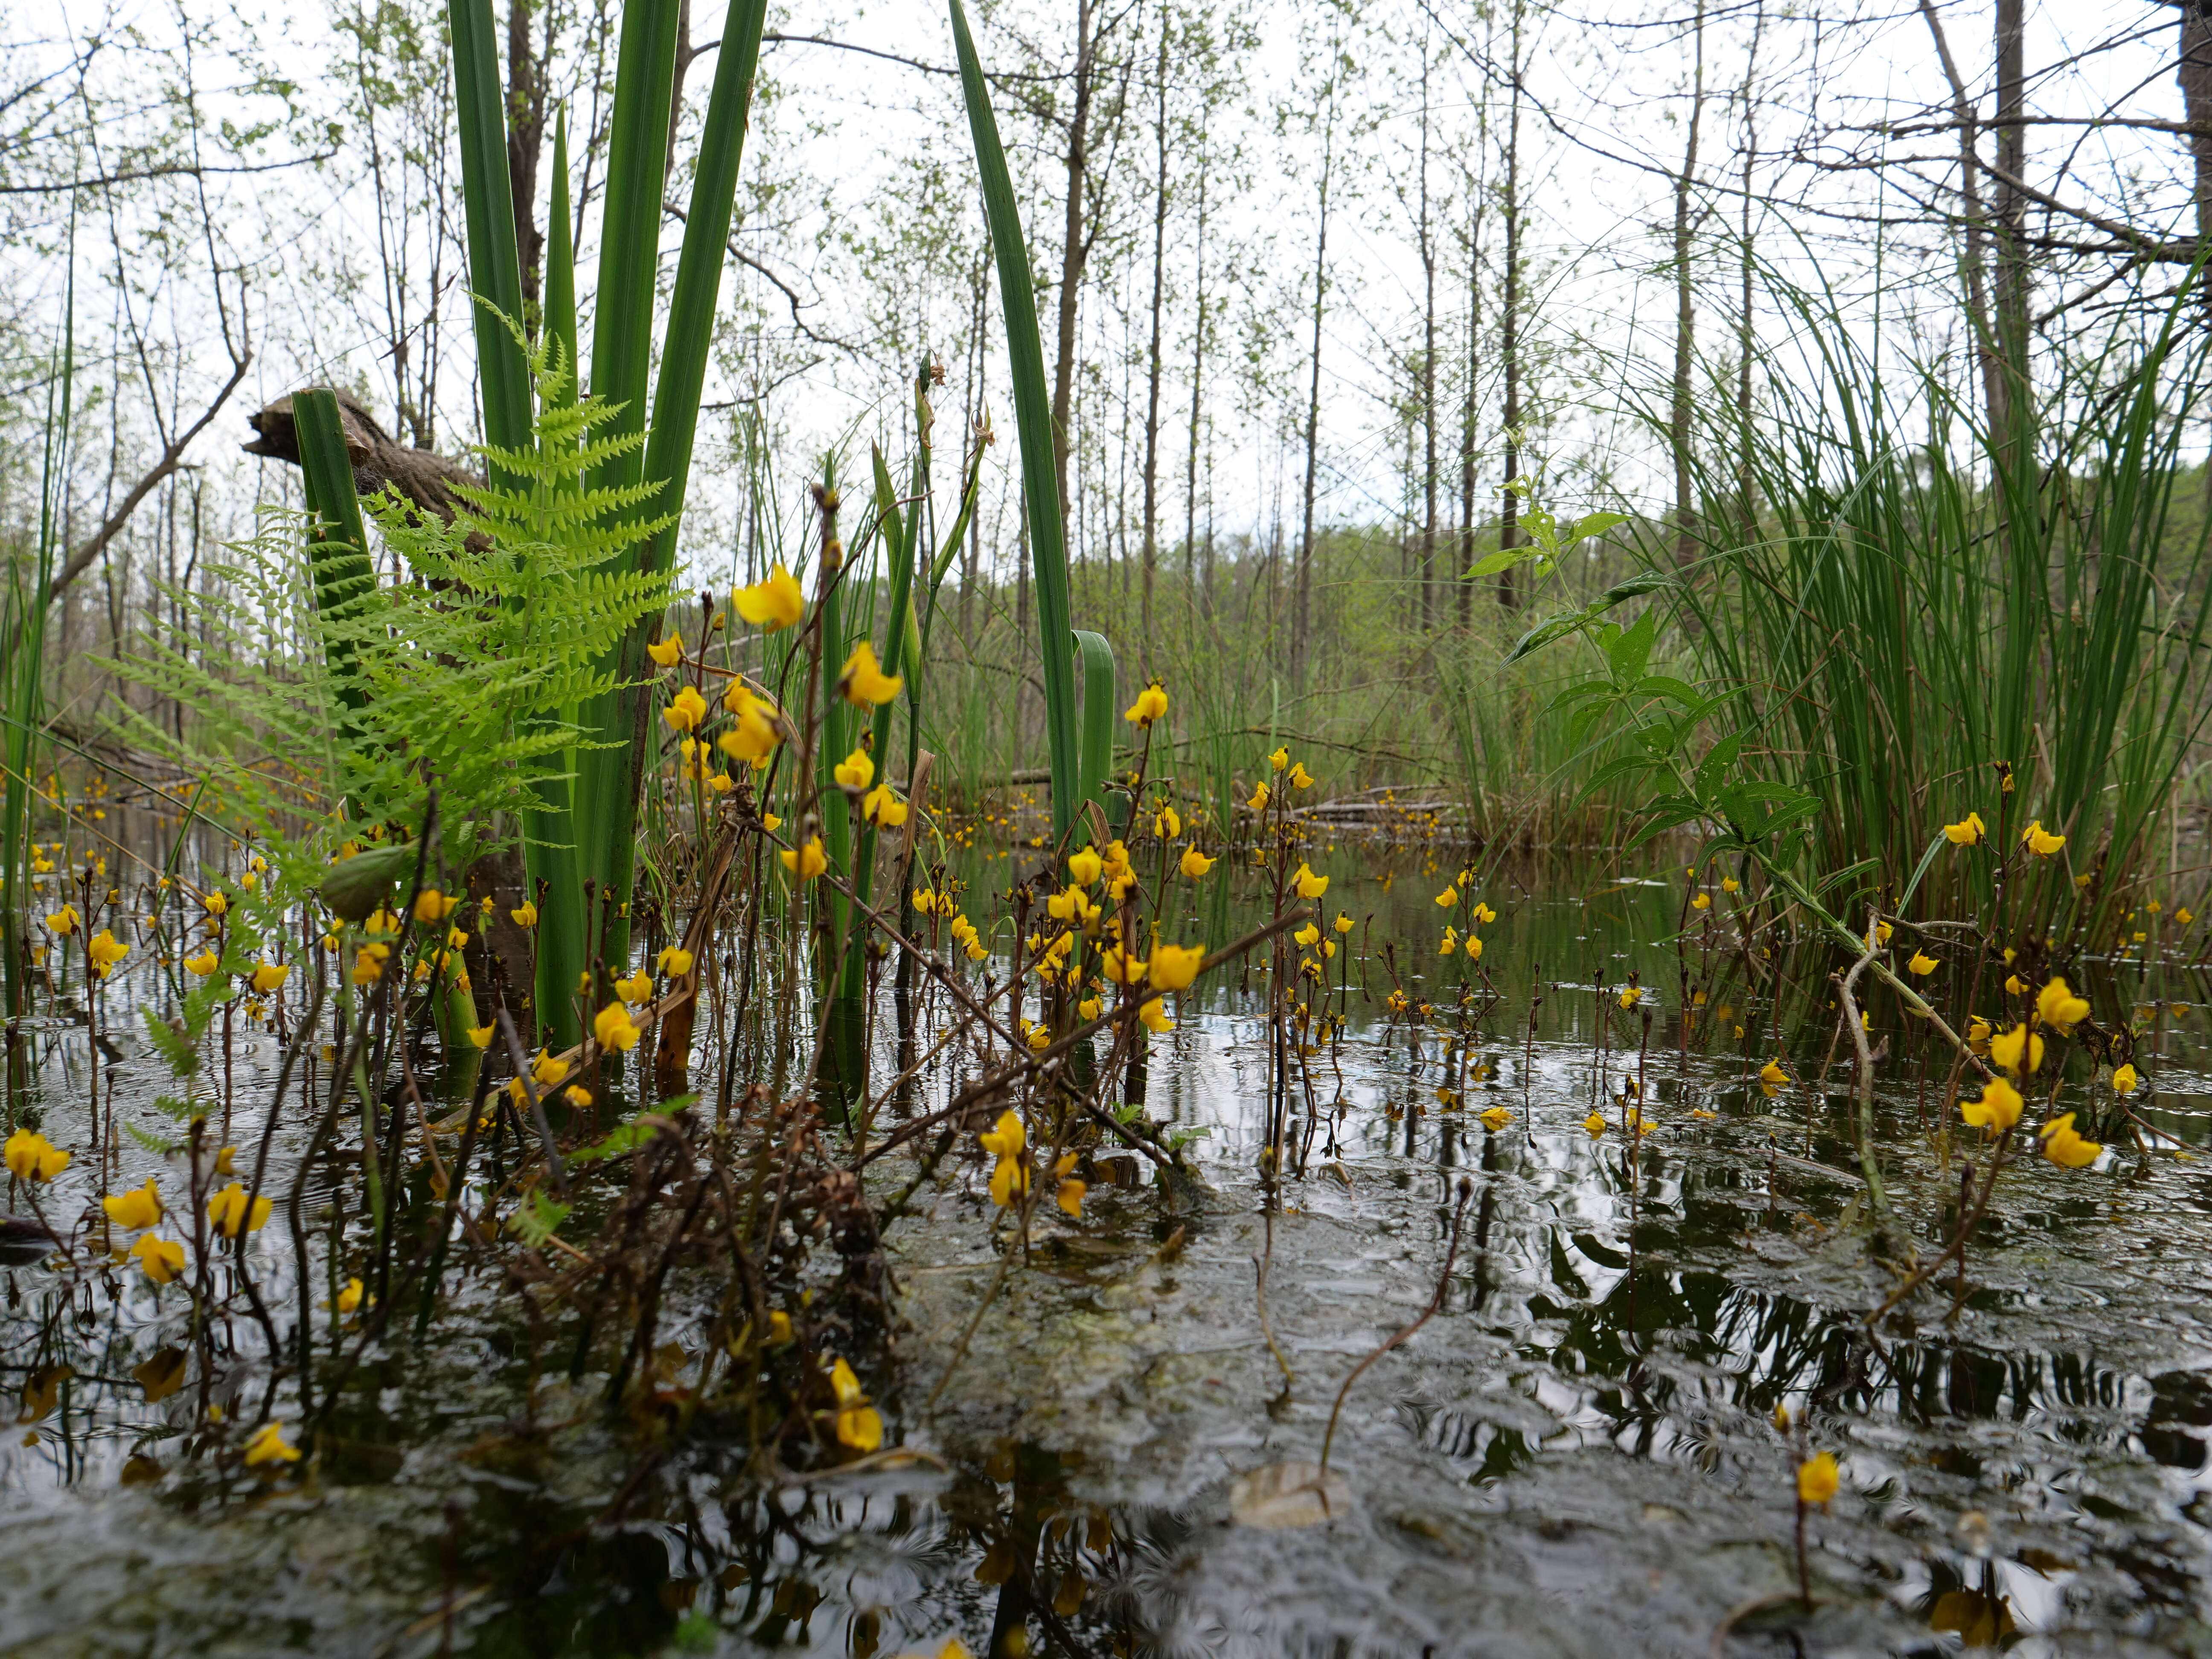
(321, 715)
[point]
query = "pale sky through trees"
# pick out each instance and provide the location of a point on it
(860, 218)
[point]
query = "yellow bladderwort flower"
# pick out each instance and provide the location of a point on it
(1084, 868)
(1151, 704)
(1595, 1124)
(806, 862)
(772, 603)
(217, 905)
(1299, 778)
(1472, 948)
(1998, 1109)
(1193, 864)
(2124, 1080)
(1154, 1013)
(614, 1028)
(270, 1446)
(1167, 824)
(1448, 898)
(685, 711)
(863, 684)
(2064, 1147)
(368, 964)
(1772, 1073)
(1730, 884)
(1630, 995)
(2015, 986)
(1344, 922)
(523, 915)
(431, 907)
(1702, 902)
(1817, 1478)
(2040, 840)
(350, 1299)
(1071, 1188)
(638, 988)
(159, 1259)
(64, 921)
(103, 951)
(1967, 832)
(1006, 1140)
(1496, 1119)
(229, 1212)
(1121, 967)
(674, 961)
(479, 1037)
(1259, 797)
(855, 771)
(2009, 1049)
(546, 1069)
(204, 963)
(1922, 964)
(1310, 885)
(1978, 1035)
(1483, 913)
(1449, 944)
(1173, 967)
(884, 808)
(139, 1208)
(1090, 1008)
(666, 652)
(859, 1424)
(269, 976)
(753, 733)
(1280, 758)
(2058, 1007)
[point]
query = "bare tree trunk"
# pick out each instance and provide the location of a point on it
(1509, 529)
(1073, 248)
(1428, 372)
(1197, 377)
(1313, 401)
(1469, 438)
(525, 139)
(2194, 72)
(1744, 263)
(1685, 314)
(971, 558)
(1970, 196)
(1152, 361)
(2011, 216)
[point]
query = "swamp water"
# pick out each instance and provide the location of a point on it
(1578, 1454)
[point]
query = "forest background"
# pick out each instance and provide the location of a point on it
(1317, 283)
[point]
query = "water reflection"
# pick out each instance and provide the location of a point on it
(1578, 1455)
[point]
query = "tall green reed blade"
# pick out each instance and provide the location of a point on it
(847, 1018)
(550, 856)
(610, 778)
(560, 266)
(1033, 422)
(338, 540)
(588, 840)
(495, 267)
(24, 637)
(1098, 701)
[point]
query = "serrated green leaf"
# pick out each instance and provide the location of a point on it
(145, 1142)
(179, 1055)
(539, 1220)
